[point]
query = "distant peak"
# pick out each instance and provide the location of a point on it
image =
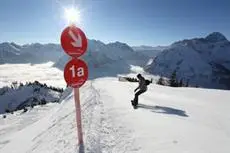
(117, 44)
(216, 37)
(96, 41)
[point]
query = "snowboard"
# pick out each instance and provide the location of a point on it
(135, 107)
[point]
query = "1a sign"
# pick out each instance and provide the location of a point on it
(76, 73)
(73, 41)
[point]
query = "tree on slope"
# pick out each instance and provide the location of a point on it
(160, 81)
(181, 84)
(173, 80)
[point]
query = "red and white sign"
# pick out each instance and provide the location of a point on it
(73, 41)
(76, 73)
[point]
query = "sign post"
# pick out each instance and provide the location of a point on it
(74, 43)
(78, 115)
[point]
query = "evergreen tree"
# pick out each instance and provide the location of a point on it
(21, 85)
(173, 80)
(177, 83)
(187, 83)
(7, 110)
(181, 83)
(14, 85)
(43, 101)
(160, 81)
(25, 109)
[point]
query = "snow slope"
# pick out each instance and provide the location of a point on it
(169, 120)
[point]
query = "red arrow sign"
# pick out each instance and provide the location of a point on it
(73, 41)
(76, 73)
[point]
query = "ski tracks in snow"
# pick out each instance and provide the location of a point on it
(57, 131)
(114, 136)
(102, 133)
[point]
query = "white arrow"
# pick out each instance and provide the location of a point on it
(77, 39)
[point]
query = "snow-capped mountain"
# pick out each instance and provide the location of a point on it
(33, 53)
(203, 61)
(112, 58)
(149, 50)
(116, 51)
(20, 96)
(8, 51)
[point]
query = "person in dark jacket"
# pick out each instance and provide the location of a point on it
(142, 88)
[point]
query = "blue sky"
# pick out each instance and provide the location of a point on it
(136, 22)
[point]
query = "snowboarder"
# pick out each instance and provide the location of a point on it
(142, 88)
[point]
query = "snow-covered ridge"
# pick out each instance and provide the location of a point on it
(30, 53)
(203, 61)
(216, 37)
(19, 96)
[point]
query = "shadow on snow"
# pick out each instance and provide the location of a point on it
(164, 110)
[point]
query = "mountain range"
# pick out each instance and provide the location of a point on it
(108, 59)
(31, 53)
(204, 62)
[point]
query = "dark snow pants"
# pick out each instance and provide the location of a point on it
(135, 101)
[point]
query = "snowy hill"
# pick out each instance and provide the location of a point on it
(204, 61)
(108, 59)
(33, 53)
(169, 120)
(18, 96)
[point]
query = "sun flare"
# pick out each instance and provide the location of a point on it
(72, 15)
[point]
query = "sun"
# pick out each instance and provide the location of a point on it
(72, 15)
